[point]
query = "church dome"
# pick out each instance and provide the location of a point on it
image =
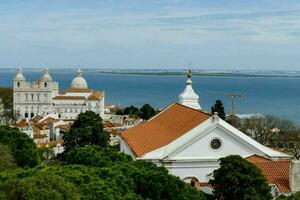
(46, 76)
(19, 76)
(79, 81)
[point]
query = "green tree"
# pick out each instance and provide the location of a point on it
(239, 179)
(86, 130)
(22, 147)
(147, 111)
(295, 196)
(219, 108)
(6, 158)
(132, 111)
(6, 94)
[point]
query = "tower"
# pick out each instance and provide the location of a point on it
(188, 97)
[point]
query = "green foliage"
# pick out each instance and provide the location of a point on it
(23, 149)
(146, 112)
(93, 172)
(86, 130)
(96, 156)
(219, 108)
(132, 111)
(6, 158)
(239, 179)
(295, 196)
(6, 94)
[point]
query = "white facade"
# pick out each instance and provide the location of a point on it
(188, 97)
(42, 97)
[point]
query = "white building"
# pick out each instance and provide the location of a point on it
(42, 97)
(190, 142)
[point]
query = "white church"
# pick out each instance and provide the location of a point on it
(189, 142)
(43, 96)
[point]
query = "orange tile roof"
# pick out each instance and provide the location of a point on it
(39, 136)
(96, 96)
(168, 125)
(22, 123)
(68, 98)
(257, 158)
(50, 143)
(76, 90)
(275, 171)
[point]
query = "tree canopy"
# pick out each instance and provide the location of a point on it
(239, 179)
(93, 172)
(22, 148)
(86, 130)
(147, 111)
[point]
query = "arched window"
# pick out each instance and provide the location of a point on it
(18, 84)
(45, 84)
(31, 115)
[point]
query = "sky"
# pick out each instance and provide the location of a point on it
(152, 34)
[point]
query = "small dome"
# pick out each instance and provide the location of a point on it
(79, 81)
(19, 76)
(46, 76)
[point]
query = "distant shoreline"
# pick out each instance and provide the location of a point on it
(178, 72)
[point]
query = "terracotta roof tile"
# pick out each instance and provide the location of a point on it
(96, 96)
(76, 90)
(168, 125)
(276, 172)
(257, 158)
(39, 136)
(50, 143)
(68, 98)
(21, 124)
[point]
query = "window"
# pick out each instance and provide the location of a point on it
(31, 115)
(31, 96)
(45, 84)
(18, 84)
(26, 115)
(216, 143)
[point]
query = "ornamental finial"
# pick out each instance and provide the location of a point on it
(189, 74)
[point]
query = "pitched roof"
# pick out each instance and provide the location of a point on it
(21, 124)
(168, 125)
(275, 171)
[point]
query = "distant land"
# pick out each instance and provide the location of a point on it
(177, 72)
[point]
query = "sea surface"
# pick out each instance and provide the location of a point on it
(279, 96)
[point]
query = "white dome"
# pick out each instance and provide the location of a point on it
(19, 76)
(79, 81)
(46, 76)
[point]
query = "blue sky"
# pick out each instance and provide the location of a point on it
(211, 34)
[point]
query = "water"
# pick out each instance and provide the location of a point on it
(278, 96)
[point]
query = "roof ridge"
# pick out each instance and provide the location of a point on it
(201, 111)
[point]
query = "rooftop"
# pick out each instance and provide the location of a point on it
(168, 125)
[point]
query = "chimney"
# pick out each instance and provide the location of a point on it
(295, 176)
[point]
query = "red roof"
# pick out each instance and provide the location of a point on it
(168, 125)
(276, 171)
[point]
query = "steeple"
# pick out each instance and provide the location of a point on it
(19, 76)
(188, 97)
(46, 76)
